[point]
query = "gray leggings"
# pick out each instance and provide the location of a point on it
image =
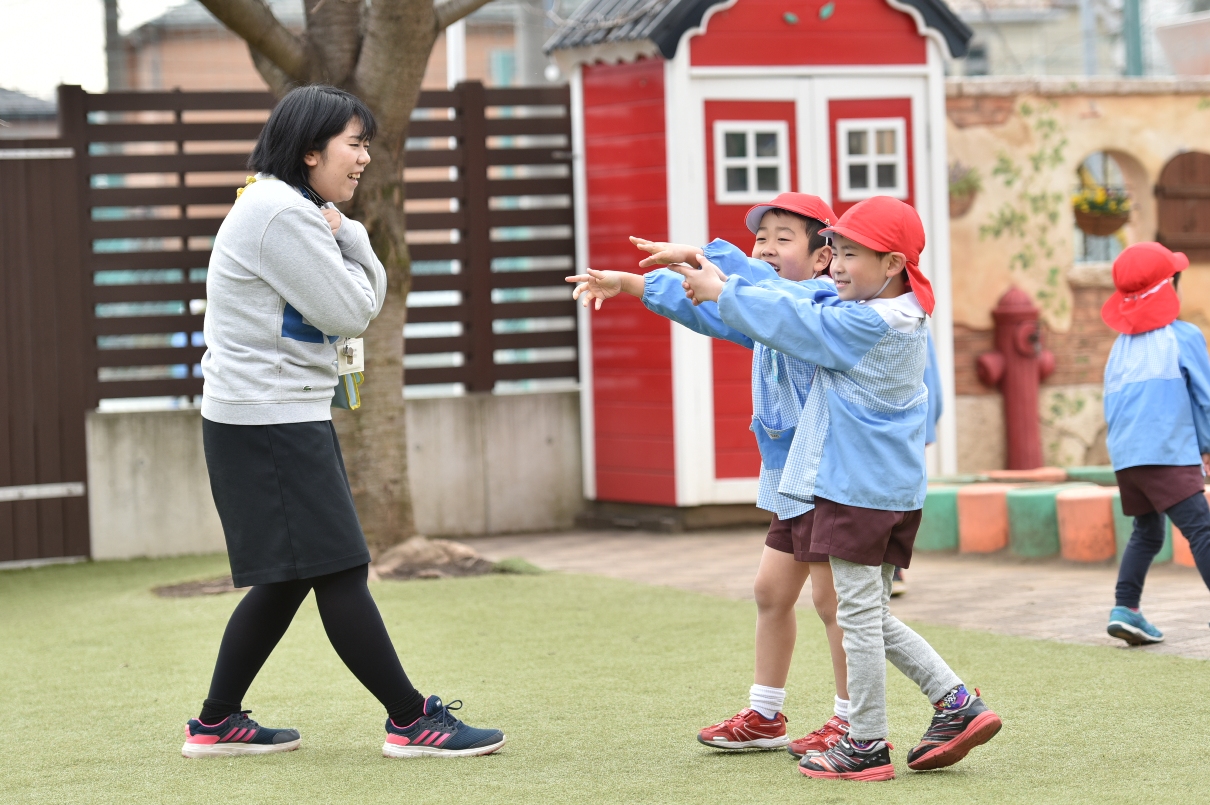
(871, 637)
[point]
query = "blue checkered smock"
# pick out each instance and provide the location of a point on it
(1157, 397)
(860, 438)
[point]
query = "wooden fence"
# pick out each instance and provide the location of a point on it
(107, 236)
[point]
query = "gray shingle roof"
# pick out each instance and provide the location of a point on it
(663, 22)
(19, 106)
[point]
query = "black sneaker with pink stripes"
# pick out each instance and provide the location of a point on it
(236, 735)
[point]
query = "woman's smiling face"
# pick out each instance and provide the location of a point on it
(335, 171)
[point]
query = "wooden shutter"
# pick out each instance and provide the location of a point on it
(1183, 197)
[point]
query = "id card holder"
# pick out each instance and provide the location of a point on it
(350, 355)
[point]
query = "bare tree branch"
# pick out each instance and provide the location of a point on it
(334, 32)
(253, 22)
(274, 76)
(450, 11)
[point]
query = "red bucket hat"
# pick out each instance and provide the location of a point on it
(801, 203)
(886, 224)
(1144, 299)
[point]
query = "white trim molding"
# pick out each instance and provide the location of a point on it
(750, 161)
(68, 489)
(37, 153)
(588, 445)
(871, 157)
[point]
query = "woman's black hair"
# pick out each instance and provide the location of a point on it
(306, 120)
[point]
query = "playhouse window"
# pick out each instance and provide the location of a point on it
(872, 159)
(752, 161)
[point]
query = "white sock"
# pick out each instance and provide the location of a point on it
(766, 701)
(841, 708)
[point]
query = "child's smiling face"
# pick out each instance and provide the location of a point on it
(782, 242)
(860, 272)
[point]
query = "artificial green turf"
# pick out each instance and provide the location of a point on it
(600, 685)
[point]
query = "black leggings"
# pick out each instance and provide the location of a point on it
(354, 627)
(1192, 517)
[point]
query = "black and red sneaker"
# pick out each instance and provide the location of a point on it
(821, 740)
(235, 735)
(747, 729)
(864, 761)
(955, 731)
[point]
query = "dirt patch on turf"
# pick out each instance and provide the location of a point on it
(189, 589)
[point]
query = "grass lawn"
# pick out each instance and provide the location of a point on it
(600, 686)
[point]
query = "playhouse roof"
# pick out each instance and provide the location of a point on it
(663, 22)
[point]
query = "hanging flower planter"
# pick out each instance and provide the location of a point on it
(1101, 211)
(965, 184)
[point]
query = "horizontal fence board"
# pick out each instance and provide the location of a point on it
(418, 221)
(565, 338)
(162, 196)
(166, 356)
(127, 261)
(532, 310)
(442, 374)
(177, 101)
(418, 190)
(526, 96)
(155, 228)
(532, 248)
(433, 157)
(531, 279)
(528, 156)
(170, 387)
(149, 292)
(430, 346)
(521, 126)
(529, 187)
(435, 128)
(141, 325)
(168, 163)
(440, 282)
(170, 132)
(437, 251)
(536, 371)
(543, 216)
(438, 98)
(426, 315)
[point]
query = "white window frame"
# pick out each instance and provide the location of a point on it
(844, 160)
(751, 161)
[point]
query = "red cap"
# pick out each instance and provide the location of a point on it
(1144, 299)
(801, 203)
(886, 224)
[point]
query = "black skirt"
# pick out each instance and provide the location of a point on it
(284, 500)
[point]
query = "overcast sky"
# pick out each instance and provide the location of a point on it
(44, 43)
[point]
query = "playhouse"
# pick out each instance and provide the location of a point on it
(687, 112)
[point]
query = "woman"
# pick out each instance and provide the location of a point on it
(289, 275)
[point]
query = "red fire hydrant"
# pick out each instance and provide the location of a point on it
(1018, 366)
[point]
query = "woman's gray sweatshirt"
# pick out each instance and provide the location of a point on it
(281, 288)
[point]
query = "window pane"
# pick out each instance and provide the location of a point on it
(857, 142)
(737, 179)
(886, 176)
(859, 177)
(766, 179)
(886, 141)
(736, 144)
(766, 144)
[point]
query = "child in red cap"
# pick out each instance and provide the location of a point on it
(788, 245)
(1157, 405)
(858, 457)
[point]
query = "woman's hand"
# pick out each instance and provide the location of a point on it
(597, 286)
(333, 218)
(663, 254)
(702, 284)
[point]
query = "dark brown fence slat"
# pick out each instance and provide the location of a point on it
(440, 282)
(152, 196)
(563, 338)
(520, 126)
(165, 292)
(166, 356)
(154, 228)
(531, 279)
(434, 189)
(438, 98)
(169, 163)
(528, 156)
(529, 187)
(424, 315)
(172, 132)
(129, 261)
(437, 251)
(140, 325)
(435, 128)
(544, 216)
(170, 387)
(532, 310)
(527, 96)
(179, 101)
(436, 220)
(534, 371)
(532, 248)
(433, 158)
(444, 374)
(430, 346)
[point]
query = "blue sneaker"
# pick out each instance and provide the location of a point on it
(438, 733)
(1126, 624)
(236, 735)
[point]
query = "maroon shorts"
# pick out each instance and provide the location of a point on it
(1157, 487)
(794, 536)
(864, 536)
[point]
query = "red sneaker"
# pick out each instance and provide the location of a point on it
(822, 739)
(747, 729)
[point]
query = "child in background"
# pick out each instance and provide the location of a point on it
(1157, 406)
(858, 456)
(789, 246)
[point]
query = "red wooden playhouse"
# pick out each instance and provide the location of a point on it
(687, 112)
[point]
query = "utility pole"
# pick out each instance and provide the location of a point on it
(1132, 33)
(115, 54)
(1088, 30)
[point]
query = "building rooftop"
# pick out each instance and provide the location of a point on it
(19, 106)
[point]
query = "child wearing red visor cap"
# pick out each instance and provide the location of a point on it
(858, 456)
(789, 246)
(1157, 406)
